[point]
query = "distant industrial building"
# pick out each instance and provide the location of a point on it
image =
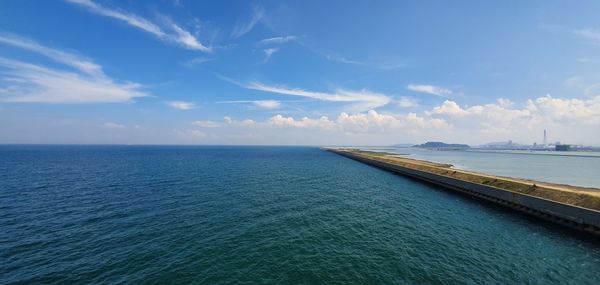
(562, 147)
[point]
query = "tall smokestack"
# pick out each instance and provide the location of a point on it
(544, 137)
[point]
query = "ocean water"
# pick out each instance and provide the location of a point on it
(259, 215)
(572, 168)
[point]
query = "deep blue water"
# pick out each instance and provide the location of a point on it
(245, 215)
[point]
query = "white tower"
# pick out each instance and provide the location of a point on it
(544, 137)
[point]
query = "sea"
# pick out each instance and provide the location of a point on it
(74, 214)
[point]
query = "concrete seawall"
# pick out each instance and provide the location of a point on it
(579, 218)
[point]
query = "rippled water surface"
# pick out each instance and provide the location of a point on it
(224, 215)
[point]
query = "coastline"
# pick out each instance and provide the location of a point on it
(571, 206)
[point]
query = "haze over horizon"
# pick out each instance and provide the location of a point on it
(308, 72)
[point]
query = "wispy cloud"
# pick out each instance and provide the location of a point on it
(592, 35)
(269, 52)
(407, 102)
(33, 83)
(176, 34)
(197, 61)
(364, 99)
(370, 64)
(267, 104)
(76, 61)
(429, 89)
(279, 40)
(243, 28)
(44, 85)
(182, 105)
(262, 104)
(187, 40)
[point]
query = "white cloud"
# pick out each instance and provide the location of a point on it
(281, 121)
(111, 125)
(182, 105)
(38, 84)
(407, 102)
(368, 122)
(451, 108)
(568, 110)
(505, 103)
(206, 124)
(363, 99)
(267, 104)
(279, 40)
(429, 89)
(269, 52)
(130, 19)
(369, 127)
(547, 108)
(243, 28)
(76, 61)
(44, 85)
(372, 120)
(187, 40)
(262, 104)
(503, 119)
(177, 34)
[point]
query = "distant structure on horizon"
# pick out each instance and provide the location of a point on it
(442, 146)
(544, 146)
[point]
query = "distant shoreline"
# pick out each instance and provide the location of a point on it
(549, 153)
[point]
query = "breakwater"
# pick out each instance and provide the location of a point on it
(572, 207)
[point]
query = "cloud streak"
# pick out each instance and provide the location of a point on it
(78, 62)
(182, 105)
(269, 52)
(32, 83)
(363, 99)
(262, 104)
(267, 104)
(429, 89)
(243, 28)
(375, 65)
(176, 34)
(279, 40)
(44, 85)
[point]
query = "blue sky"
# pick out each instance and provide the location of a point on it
(299, 72)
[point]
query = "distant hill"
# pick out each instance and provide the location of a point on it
(441, 145)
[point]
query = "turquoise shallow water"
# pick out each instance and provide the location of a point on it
(572, 168)
(246, 215)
